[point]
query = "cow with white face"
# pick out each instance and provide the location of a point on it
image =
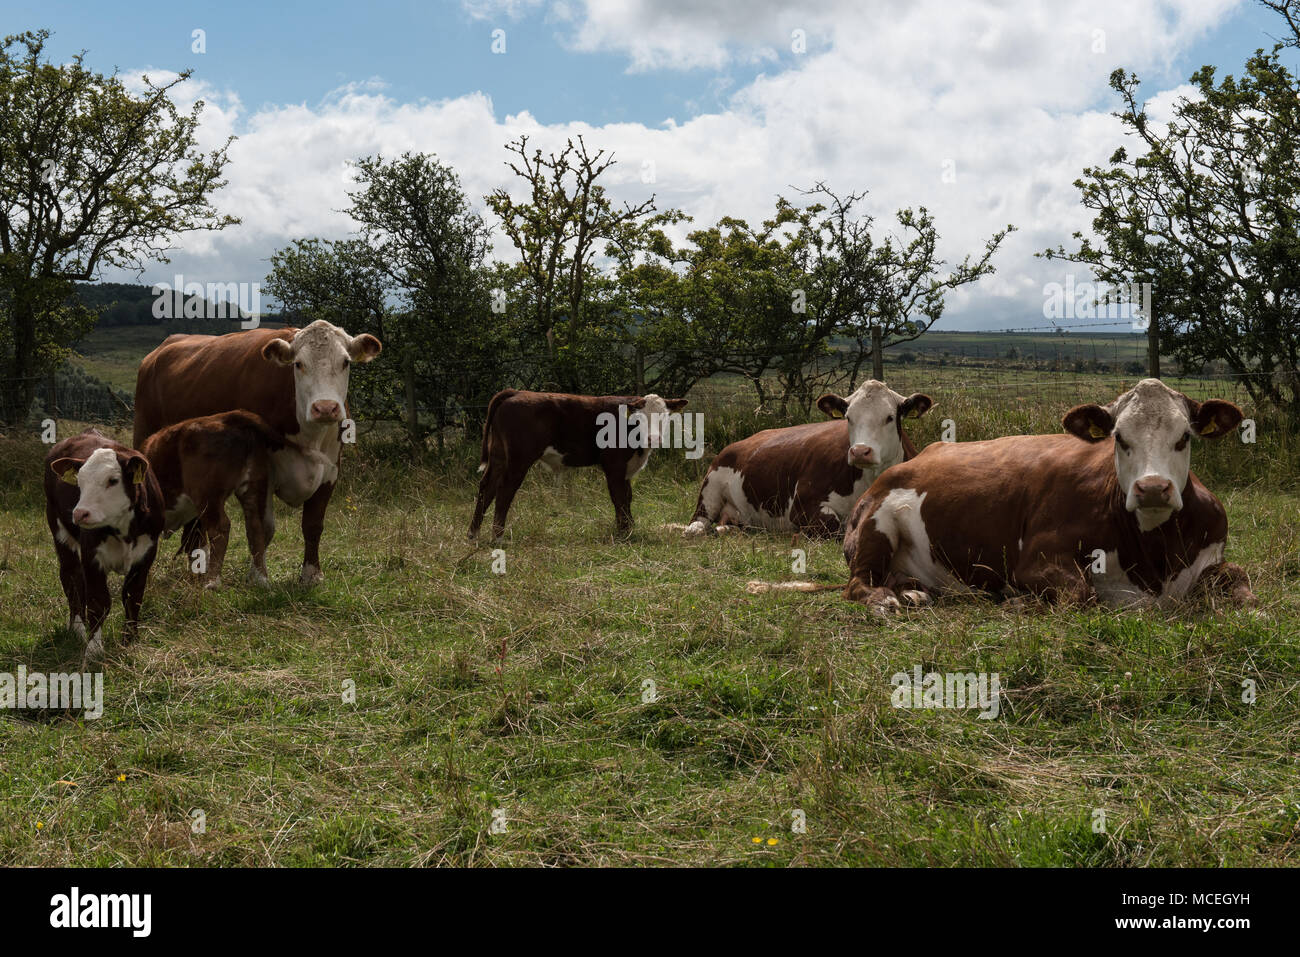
(105, 511)
(1116, 518)
(295, 379)
(807, 477)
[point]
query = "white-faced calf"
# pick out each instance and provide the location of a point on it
(105, 510)
(200, 463)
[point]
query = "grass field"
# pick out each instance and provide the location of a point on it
(523, 695)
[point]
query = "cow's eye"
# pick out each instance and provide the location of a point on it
(1120, 442)
(298, 365)
(888, 419)
(1182, 443)
(346, 362)
(112, 482)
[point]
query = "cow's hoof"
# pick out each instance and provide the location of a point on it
(213, 584)
(700, 527)
(94, 650)
(258, 577)
(884, 607)
(311, 575)
(915, 596)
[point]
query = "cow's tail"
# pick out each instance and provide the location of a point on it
(762, 588)
(487, 426)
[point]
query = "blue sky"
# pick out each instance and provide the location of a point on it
(985, 111)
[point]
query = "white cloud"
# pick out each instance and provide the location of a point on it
(1013, 96)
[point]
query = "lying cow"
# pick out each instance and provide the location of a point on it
(1109, 512)
(807, 477)
(565, 431)
(105, 511)
(200, 463)
(295, 379)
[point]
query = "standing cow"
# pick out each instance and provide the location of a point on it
(105, 511)
(565, 431)
(295, 379)
(1109, 512)
(807, 477)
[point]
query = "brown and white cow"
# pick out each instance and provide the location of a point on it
(807, 477)
(1109, 512)
(200, 463)
(566, 431)
(295, 379)
(105, 510)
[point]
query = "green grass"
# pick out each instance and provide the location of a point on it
(524, 692)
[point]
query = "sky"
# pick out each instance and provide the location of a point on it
(984, 111)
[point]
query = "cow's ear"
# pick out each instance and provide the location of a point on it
(134, 469)
(833, 405)
(636, 404)
(915, 406)
(66, 469)
(675, 405)
(364, 347)
(1091, 423)
(1213, 418)
(278, 351)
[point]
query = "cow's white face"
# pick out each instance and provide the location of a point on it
(1153, 427)
(873, 412)
(321, 356)
(107, 484)
(652, 411)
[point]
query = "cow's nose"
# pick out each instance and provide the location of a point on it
(79, 515)
(326, 411)
(862, 453)
(1153, 492)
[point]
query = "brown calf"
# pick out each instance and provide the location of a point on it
(200, 463)
(565, 431)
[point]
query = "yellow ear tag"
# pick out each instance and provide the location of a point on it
(1209, 427)
(69, 476)
(1096, 431)
(139, 475)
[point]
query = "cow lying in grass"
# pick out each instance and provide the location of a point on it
(807, 477)
(566, 431)
(200, 463)
(1109, 512)
(105, 510)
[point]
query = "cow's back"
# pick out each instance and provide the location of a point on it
(193, 375)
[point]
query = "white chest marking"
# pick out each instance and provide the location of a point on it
(553, 459)
(115, 555)
(298, 471)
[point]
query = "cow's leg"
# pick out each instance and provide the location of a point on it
(510, 482)
(820, 525)
(1057, 582)
(73, 579)
(1229, 581)
(869, 571)
(620, 493)
(487, 491)
(703, 520)
(191, 537)
(313, 524)
(98, 603)
(255, 500)
(137, 577)
(216, 526)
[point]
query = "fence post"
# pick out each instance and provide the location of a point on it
(1153, 348)
(877, 355)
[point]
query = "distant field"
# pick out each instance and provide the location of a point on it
(522, 695)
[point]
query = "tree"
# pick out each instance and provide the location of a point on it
(1207, 209)
(90, 176)
(558, 231)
